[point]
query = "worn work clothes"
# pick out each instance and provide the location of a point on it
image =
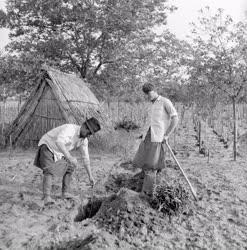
(45, 160)
(150, 155)
(69, 135)
(162, 110)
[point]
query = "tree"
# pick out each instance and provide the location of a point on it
(91, 37)
(218, 65)
(17, 73)
(3, 18)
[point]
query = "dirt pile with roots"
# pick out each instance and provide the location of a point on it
(127, 214)
(117, 181)
(170, 200)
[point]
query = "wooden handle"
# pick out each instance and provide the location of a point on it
(175, 159)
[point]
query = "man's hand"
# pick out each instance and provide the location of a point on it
(92, 181)
(165, 139)
(73, 161)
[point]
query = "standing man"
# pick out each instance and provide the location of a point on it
(150, 155)
(54, 158)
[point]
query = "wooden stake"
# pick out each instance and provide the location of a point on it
(4, 109)
(174, 138)
(118, 116)
(10, 146)
(234, 130)
(199, 136)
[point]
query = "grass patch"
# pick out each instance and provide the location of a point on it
(126, 125)
(118, 142)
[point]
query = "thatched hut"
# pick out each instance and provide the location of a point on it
(57, 98)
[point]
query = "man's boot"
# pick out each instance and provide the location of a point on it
(47, 184)
(149, 183)
(66, 186)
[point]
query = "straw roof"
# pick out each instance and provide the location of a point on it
(57, 98)
(73, 94)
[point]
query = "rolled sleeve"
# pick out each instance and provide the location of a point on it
(84, 150)
(169, 108)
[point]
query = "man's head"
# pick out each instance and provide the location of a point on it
(149, 90)
(89, 127)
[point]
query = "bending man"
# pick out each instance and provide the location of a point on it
(54, 158)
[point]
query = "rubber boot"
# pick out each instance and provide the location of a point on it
(47, 184)
(149, 183)
(66, 186)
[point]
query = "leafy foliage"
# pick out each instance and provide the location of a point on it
(107, 42)
(169, 200)
(3, 18)
(218, 58)
(18, 72)
(126, 124)
(218, 66)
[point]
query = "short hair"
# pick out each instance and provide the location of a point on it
(147, 87)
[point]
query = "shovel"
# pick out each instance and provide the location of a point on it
(186, 178)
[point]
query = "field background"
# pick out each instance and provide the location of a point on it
(220, 119)
(216, 221)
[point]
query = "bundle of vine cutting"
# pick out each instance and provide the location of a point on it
(169, 200)
(127, 125)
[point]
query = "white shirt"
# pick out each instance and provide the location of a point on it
(161, 112)
(67, 134)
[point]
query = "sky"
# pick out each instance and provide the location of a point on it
(178, 22)
(3, 32)
(188, 10)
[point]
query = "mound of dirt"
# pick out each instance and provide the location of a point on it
(128, 215)
(134, 182)
(115, 182)
(73, 244)
(128, 165)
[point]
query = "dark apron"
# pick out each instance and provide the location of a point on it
(150, 155)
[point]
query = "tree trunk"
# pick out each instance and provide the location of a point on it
(19, 104)
(182, 115)
(83, 71)
(234, 130)
(200, 134)
(118, 110)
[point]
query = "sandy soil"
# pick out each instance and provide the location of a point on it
(218, 220)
